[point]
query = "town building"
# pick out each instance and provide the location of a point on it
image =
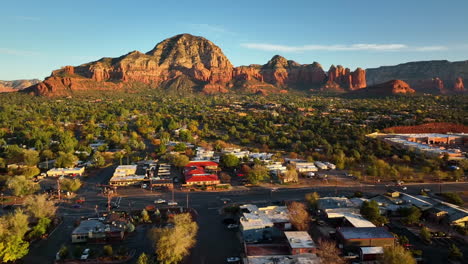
(356, 237)
(258, 224)
(125, 175)
(201, 173)
(284, 259)
(300, 242)
(370, 253)
(95, 230)
(55, 172)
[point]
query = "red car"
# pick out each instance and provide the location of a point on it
(240, 175)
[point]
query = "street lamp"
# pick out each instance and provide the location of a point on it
(2, 201)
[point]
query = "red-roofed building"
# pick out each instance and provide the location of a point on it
(197, 173)
(207, 165)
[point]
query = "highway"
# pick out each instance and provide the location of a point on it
(214, 241)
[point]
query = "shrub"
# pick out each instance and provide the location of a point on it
(108, 250)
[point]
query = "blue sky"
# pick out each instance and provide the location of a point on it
(37, 37)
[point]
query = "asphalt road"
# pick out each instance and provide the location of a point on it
(214, 241)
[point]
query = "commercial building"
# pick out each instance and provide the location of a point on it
(436, 145)
(201, 173)
(356, 237)
(300, 242)
(125, 175)
(284, 259)
(263, 223)
(95, 230)
(65, 172)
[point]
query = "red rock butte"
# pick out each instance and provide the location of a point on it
(191, 63)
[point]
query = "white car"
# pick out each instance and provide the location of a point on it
(159, 201)
(85, 254)
(232, 226)
(233, 260)
(172, 203)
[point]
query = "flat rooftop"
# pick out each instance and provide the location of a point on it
(365, 233)
(299, 239)
(285, 259)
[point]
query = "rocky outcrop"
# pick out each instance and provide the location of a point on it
(458, 86)
(186, 63)
(16, 85)
(423, 76)
(341, 79)
(394, 87)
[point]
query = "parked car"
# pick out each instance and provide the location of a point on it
(144, 186)
(159, 201)
(233, 260)
(80, 200)
(172, 203)
(85, 254)
(232, 226)
(225, 200)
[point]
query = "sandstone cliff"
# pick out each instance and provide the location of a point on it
(16, 85)
(393, 87)
(424, 76)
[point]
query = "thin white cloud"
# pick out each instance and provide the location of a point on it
(18, 52)
(27, 18)
(430, 48)
(353, 47)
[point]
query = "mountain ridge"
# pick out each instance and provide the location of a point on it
(194, 64)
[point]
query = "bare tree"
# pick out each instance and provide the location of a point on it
(328, 252)
(298, 216)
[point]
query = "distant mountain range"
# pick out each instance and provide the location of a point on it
(12, 86)
(187, 63)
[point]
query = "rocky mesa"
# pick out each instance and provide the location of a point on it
(439, 76)
(393, 87)
(190, 63)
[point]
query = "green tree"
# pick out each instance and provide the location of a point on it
(30, 157)
(143, 259)
(455, 253)
(145, 218)
(70, 185)
(313, 200)
(30, 172)
(397, 255)
(180, 160)
(425, 234)
(65, 160)
(453, 197)
(21, 186)
(258, 173)
(68, 142)
(229, 161)
(40, 228)
(13, 227)
(38, 206)
(63, 252)
(108, 250)
(370, 211)
(173, 244)
(411, 214)
(98, 159)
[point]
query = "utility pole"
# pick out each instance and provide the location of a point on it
(187, 201)
(58, 187)
(108, 200)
